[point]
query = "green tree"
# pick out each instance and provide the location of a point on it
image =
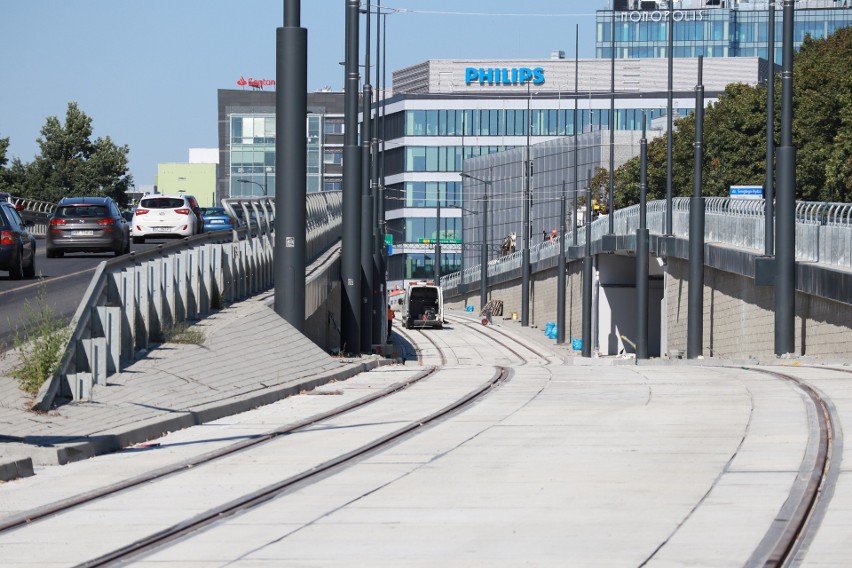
(71, 164)
(735, 134)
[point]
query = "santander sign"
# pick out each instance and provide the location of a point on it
(256, 83)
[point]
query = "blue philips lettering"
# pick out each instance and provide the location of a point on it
(470, 74)
(504, 75)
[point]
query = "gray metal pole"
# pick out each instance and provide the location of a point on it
(483, 253)
(379, 314)
(525, 260)
(769, 191)
(609, 211)
(642, 261)
(562, 269)
(587, 273)
(350, 271)
(367, 222)
(695, 300)
(380, 279)
(669, 126)
(576, 127)
(438, 242)
(291, 99)
(785, 208)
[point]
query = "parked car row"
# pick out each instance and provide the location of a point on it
(96, 224)
(17, 244)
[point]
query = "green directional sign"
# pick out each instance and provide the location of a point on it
(443, 241)
(388, 239)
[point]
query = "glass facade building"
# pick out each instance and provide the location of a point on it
(713, 28)
(437, 121)
(247, 142)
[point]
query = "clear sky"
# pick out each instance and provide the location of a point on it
(147, 71)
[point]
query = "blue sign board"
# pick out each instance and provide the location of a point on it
(390, 250)
(746, 192)
(503, 76)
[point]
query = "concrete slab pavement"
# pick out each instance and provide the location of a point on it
(250, 357)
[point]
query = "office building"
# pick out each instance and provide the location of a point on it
(713, 28)
(247, 142)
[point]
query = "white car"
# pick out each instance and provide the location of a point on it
(163, 216)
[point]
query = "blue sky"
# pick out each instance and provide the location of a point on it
(147, 71)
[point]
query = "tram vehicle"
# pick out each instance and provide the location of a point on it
(423, 305)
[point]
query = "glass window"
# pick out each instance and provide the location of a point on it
(431, 122)
(431, 159)
(450, 117)
(236, 129)
(415, 159)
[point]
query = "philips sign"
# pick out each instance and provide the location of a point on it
(497, 76)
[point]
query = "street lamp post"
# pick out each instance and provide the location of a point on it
(483, 253)
(262, 188)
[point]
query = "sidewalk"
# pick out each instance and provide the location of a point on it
(249, 357)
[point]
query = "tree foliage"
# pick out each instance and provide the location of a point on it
(735, 134)
(70, 164)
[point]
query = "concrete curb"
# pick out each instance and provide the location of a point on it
(16, 469)
(24, 455)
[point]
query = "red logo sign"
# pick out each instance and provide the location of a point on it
(256, 83)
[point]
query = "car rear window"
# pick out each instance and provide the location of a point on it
(162, 203)
(210, 211)
(82, 211)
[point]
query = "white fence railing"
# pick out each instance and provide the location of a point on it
(823, 232)
(134, 300)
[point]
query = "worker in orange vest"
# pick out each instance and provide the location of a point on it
(390, 320)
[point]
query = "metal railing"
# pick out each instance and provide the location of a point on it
(38, 212)
(135, 300)
(823, 232)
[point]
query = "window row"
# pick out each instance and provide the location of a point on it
(444, 158)
(416, 229)
(427, 193)
(422, 266)
(502, 122)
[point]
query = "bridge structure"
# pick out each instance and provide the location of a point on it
(133, 300)
(738, 295)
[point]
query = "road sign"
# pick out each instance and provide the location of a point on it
(390, 250)
(388, 239)
(746, 192)
(443, 241)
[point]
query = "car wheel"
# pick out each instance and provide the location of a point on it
(50, 253)
(30, 271)
(16, 272)
(138, 240)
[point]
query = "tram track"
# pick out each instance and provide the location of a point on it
(159, 539)
(35, 515)
(798, 519)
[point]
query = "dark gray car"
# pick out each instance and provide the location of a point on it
(87, 224)
(17, 244)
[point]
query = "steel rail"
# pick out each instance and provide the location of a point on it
(270, 492)
(29, 517)
(796, 524)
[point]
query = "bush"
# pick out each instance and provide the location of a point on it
(40, 344)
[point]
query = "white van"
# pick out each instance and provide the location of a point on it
(423, 306)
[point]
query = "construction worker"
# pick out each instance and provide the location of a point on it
(390, 320)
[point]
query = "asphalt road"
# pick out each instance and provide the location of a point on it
(63, 281)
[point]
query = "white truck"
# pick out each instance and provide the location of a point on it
(423, 306)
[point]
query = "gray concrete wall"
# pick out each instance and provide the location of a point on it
(739, 317)
(543, 297)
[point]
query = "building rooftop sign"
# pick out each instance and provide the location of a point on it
(504, 76)
(256, 83)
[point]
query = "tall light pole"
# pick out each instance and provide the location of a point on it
(525, 255)
(562, 268)
(695, 293)
(785, 209)
(291, 100)
(769, 192)
(244, 181)
(610, 217)
(667, 230)
(350, 269)
(587, 273)
(483, 253)
(368, 310)
(642, 247)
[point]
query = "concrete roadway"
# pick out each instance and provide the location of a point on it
(565, 464)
